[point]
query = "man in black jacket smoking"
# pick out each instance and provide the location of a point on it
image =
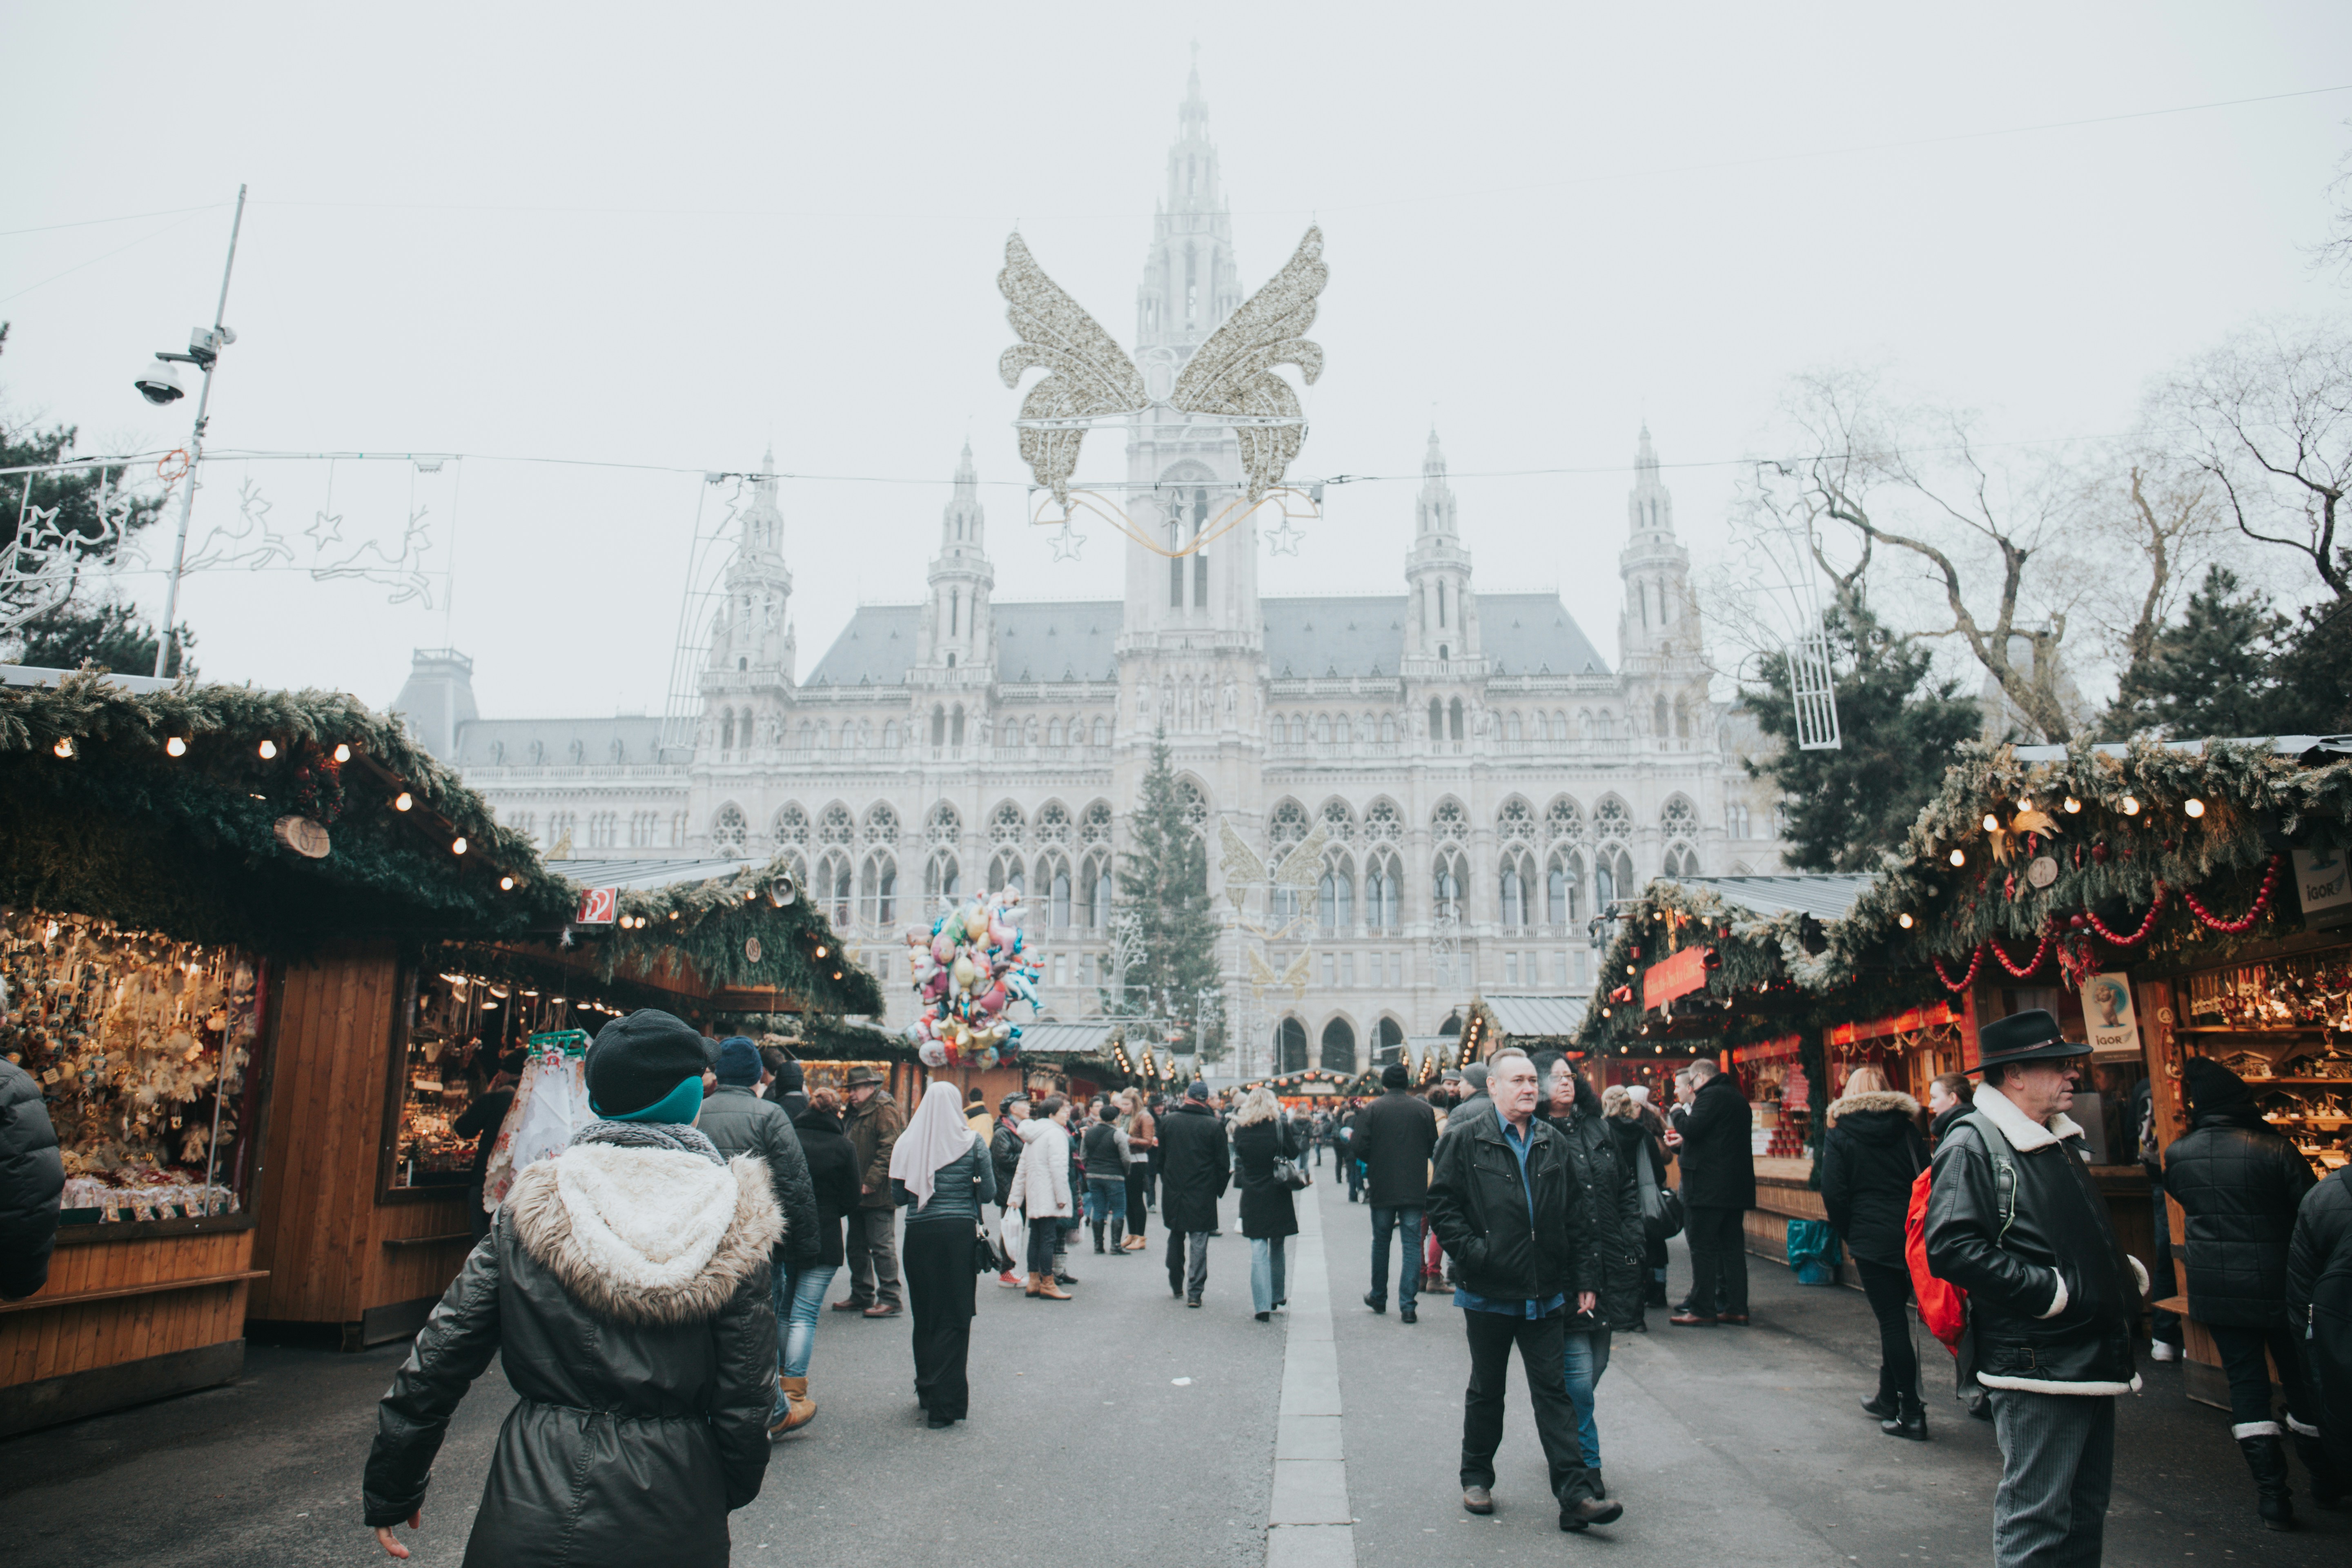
(2014, 1219)
(1522, 1243)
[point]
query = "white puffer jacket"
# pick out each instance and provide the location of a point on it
(1041, 1183)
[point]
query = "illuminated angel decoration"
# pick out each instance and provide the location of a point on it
(1229, 379)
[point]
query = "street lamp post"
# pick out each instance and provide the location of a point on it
(204, 351)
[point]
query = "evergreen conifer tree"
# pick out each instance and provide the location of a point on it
(2212, 674)
(1163, 881)
(1899, 728)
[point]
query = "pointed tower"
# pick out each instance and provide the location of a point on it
(1442, 609)
(1191, 630)
(747, 682)
(956, 634)
(1658, 631)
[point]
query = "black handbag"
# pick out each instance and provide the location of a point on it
(1289, 1173)
(984, 1258)
(1662, 1207)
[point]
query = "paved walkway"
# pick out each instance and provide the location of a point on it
(1122, 1428)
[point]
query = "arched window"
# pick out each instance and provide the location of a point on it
(1563, 885)
(1054, 876)
(1094, 888)
(1336, 897)
(943, 823)
(1299, 729)
(834, 826)
(1453, 720)
(726, 730)
(877, 891)
(1338, 821)
(1005, 824)
(832, 887)
(1511, 725)
(1094, 828)
(1681, 719)
(727, 831)
(1389, 1046)
(941, 879)
(1682, 860)
(1608, 725)
(1517, 885)
(1053, 824)
(881, 823)
(889, 735)
(1383, 823)
(1010, 738)
(1102, 731)
(1516, 820)
(1383, 890)
(1005, 871)
(1388, 729)
(1339, 1046)
(1612, 878)
(792, 824)
(955, 726)
(1449, 821)
(1436, 720)
(1449, 875)
(1054, 733)
(1290, 1046)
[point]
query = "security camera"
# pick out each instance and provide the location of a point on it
(160, 382)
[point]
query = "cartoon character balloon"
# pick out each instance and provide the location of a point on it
(967, 969)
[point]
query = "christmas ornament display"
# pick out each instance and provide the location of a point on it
(967, 970)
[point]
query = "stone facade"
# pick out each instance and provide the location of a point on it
(1488, 782)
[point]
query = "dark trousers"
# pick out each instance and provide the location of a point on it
(2057, 1471)
(1408, 1221)
(939, 1281)
(2250, 1375)
(1044, 1240)
(872, 1250)
(1889, 1289)
(1355, 1173)
(1492, 1335)
(1188, 1261)
(2162, 1325)
(1139, 1194)
(1718, 1261)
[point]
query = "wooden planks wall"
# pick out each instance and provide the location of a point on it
(316, 1206)
(41, 1341)
(406, 1273)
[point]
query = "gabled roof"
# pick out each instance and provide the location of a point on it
(645, 873)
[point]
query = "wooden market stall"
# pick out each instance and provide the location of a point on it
(228, 922)
(197, 886)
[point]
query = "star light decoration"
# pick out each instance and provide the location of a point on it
(1282, 538)
(1067, 544)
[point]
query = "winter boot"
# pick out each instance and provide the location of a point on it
(1885, 1403)
(2327, 1488)
(1049, 1290)
(1118, 1233)
(803, 1408)
(2274, 1499)
(1099, 1235)
(1033, 1280)
(1909, 1420)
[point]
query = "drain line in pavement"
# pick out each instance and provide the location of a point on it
(1307, 1523)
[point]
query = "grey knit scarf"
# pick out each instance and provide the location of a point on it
(651, 1135)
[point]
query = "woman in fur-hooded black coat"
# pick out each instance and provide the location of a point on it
(625, 1287)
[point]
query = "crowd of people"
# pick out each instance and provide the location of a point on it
(654, 1290)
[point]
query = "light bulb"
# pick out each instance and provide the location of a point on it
(457, 845)
(175, 747)
(1904, 920)
(2131, 805)
(343, 753)
(1960, 857)
(403, 801)
(2193, 806)
(506, 884)
(2073, 805)
(820, 949)
(1992, 823)
(268, 749)
(63, 749)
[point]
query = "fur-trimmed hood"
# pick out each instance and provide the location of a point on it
(646, 1235)
(1893, 1099)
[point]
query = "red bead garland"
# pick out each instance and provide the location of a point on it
(2146, 926)
(1975, 963)
(2015, 971)
(2262, 902)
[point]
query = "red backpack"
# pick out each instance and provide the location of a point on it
(1944, 1305)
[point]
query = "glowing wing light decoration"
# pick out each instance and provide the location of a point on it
(1297, 975)
(1242, 868)
(1229, 378)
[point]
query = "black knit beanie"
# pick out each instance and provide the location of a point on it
(2213, 1086)
(1395, 1076)
(637, 1059)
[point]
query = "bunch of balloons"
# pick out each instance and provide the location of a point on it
(967, 971)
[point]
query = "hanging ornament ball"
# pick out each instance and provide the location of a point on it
(2043, 871)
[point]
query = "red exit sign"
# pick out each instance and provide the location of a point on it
(597, 906)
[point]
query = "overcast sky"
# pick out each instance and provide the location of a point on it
(669, 236)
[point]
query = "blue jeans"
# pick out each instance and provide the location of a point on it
(800, 1297)
(1407, 1222)
(1105, 1196)
(1587, 1357)
(1265, 1272)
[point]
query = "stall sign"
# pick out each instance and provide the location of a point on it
(1908, 1022)
(2321, 880)
(2108, 1020)
(1680, 976)
(597, 906)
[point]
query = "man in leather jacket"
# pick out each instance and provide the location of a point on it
(2014, 1219)
(1524, 1252)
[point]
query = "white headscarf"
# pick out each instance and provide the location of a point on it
(935, 1135)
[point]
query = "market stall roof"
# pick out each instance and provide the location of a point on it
(2280, 745)
(1541, 1017)
(1090, 1037)
(628, 874)
(1824, 895)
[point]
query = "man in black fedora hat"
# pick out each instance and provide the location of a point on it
(2014, 1219)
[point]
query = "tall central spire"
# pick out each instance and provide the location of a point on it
(1191, 281)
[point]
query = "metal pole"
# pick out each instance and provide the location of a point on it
(197, 452)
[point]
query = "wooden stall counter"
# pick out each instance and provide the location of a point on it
(132, 1313)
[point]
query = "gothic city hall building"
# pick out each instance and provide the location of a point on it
(1486, 781)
